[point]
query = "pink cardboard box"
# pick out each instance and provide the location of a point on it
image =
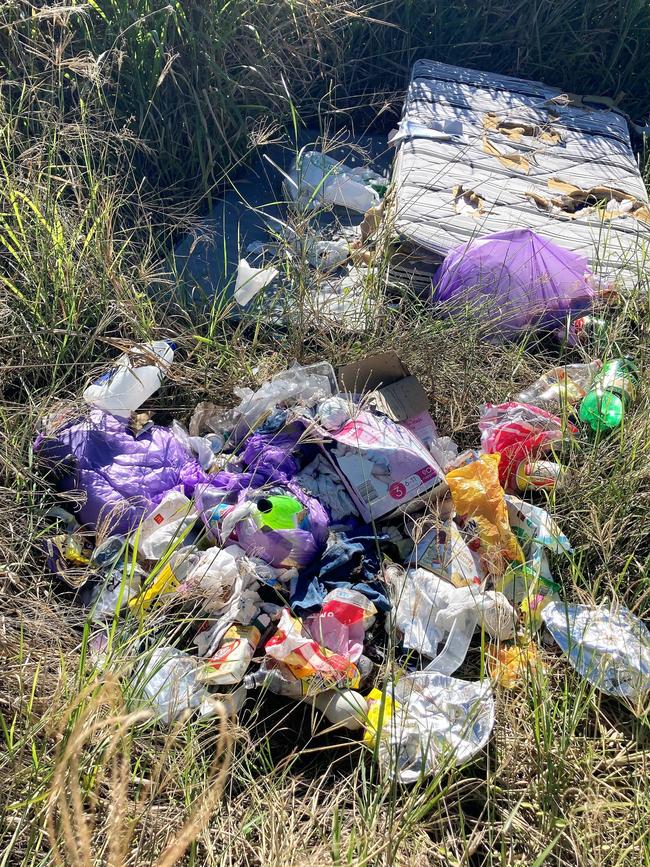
(382, 464)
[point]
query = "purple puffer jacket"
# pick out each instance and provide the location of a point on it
(113, 475)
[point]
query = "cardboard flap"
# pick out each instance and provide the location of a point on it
(402, 400)
(372, 372)
(394, 391)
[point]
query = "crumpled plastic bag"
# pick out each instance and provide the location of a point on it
(608, 647)
(205, 448)
(167, 682)
(307, 659)
(334, 412)
(341, 623)
(428, 609)
(220, 576)
(307, 385)
(208, 418)
(250, 281)
(112, 593)
(477, 494)
(437, 720)
(316, 179)
(519, 432)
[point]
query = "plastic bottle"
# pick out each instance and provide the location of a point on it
(318, 179)
(230, 662)
(590, 326)
(567, 384)
(277, 678)
(613, 391)
(125, 388)
(280, 512)
(342, 707)
(534, 475)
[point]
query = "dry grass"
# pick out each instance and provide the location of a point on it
(84, 222)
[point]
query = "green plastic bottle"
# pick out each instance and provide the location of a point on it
(614, 389)
(280, 512)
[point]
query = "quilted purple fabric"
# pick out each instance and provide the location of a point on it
(116, 476)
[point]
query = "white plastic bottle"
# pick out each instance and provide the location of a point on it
(342, 707)
(125, 388)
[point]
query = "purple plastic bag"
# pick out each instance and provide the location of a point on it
(514, 280)
(280, 548)
(269, 454)
(286, 548)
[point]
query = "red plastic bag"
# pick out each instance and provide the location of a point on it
(520, 432)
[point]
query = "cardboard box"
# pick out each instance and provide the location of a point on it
(382, 464)
(389, 383)
(393, 390)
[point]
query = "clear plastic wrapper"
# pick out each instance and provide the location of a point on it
(435, 721)
(429, 611)
(306, 385)
(608, 647)
(167, 682)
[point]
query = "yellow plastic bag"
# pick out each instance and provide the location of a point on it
(477, 494)
(510, 666)
(379, 705)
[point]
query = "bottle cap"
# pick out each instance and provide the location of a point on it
(600, 411)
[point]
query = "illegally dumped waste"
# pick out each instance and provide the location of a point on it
(614, 389)
(251, 281)
(479, 153)
(437, 721)
(308, 528)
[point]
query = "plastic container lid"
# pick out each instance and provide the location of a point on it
(602, 411)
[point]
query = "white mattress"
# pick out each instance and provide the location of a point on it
(459, 107)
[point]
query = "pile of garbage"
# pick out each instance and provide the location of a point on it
(331, 210)
(322, 525)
